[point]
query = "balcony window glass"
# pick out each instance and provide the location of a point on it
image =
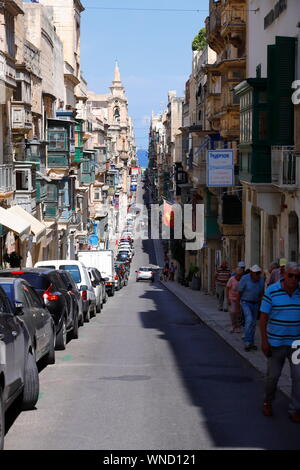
(262, 125)
(22, 180)
(51, 192)
(17, 95)
(57, 140)
(97, 195)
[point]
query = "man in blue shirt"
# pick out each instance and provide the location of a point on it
(251, 289)
(280, 328)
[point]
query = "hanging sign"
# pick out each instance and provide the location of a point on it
(220, 168)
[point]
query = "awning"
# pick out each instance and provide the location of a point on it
(17, 224)
(37, 228)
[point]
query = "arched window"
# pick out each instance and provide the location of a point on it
(117, 113)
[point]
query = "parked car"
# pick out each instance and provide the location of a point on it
(123, 256)
(144, 274)
(50, 287)
(32, 310)
(125, 246)
(76, 300)
(19, 376)
(81, 278)
(122, 272)
(98, 284)
(125, 251)
(118, 280)
(103, 260)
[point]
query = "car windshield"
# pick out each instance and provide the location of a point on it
(73, 270)
(41, 283)
(9, 291)
(145, 270)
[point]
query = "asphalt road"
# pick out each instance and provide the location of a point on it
(147, 374)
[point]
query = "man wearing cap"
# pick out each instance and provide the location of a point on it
(222, 277)
(280, 328)
(251, 289)
(278, 273)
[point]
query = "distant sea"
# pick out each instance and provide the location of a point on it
(142, 158)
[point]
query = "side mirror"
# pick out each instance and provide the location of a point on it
(84, 287)
(106, 279)
(19, 308)
(70, 287)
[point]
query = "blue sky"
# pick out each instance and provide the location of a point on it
(153, 50)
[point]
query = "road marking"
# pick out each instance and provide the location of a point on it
(68, 357)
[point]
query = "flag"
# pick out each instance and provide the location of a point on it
(168, 219)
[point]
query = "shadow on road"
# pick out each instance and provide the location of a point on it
(224, 387)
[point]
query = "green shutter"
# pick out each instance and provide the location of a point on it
(281, 74)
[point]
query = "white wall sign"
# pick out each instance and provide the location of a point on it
(220, 168)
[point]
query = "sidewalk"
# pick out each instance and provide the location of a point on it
(205, 307)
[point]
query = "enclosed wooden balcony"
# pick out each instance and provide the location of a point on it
(233, 22)
(21, 118)
(230, 125)
(213, 27)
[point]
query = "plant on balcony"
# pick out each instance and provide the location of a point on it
(199, 42)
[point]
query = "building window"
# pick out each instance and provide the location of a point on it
(97, 194)
(22, 180)
(57, 140)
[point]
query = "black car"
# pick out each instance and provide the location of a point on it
(123, 256)
(31, 309)
(76, 299)
(50, 287)
(19, 376)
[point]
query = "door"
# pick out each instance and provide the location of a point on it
(32, 318)
(11, 346)
(43, 319)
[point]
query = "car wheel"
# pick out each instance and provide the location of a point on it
(105, 298)
(98, 308)
(81, 320)
(61, 337)
(50, 357)
(2, 420)
(31, 387)
(75, 328)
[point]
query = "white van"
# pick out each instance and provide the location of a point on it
(82, 279)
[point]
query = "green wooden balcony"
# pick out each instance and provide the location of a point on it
(51, 210)
(58, 161)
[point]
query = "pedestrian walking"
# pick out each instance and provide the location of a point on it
(278, 272)
(251, 289)
(222, 277)
(166, 272)
(241, 265)
(172, 271)
(280, 327)
(232, 296)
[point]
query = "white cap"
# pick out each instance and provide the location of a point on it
(255, 269)
(242, 264)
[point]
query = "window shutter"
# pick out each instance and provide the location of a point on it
(281, 74)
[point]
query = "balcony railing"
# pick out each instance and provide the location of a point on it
(285, 166)
(7, 183)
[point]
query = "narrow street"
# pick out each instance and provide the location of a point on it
(147, 374)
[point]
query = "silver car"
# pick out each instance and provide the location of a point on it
(145, 274)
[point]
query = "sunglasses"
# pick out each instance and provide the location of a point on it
(291, 276)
